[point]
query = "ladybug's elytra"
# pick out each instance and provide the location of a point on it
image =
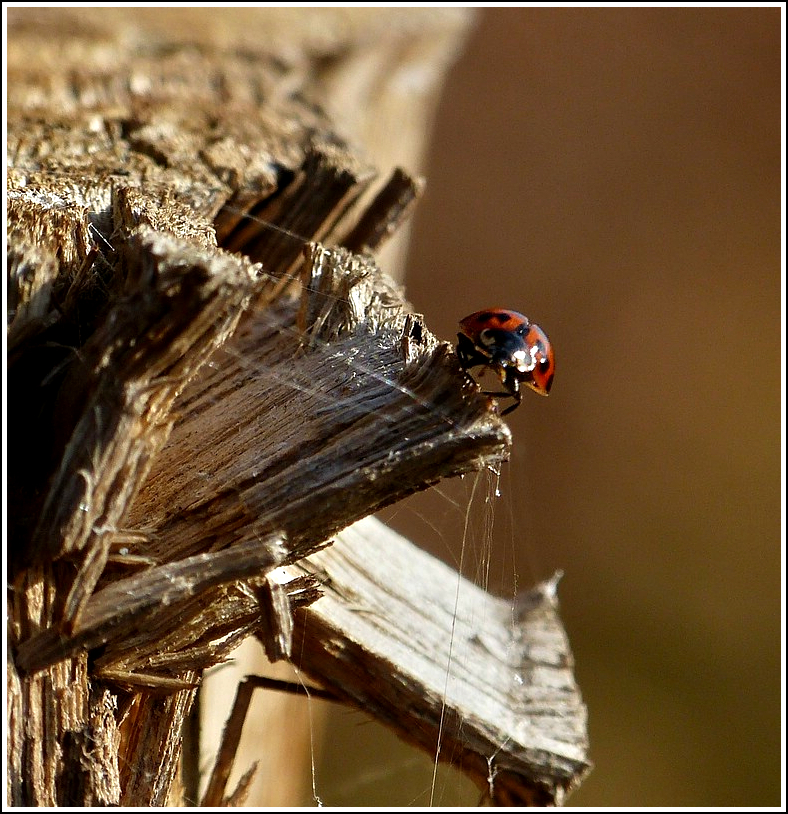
(517, 349)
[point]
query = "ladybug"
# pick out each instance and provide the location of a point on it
(517, 349)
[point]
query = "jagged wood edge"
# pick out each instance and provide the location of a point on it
(420, 648)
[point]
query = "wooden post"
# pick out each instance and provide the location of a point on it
(199, 402)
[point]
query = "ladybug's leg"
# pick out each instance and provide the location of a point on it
(517, 396)
(512, 384)
(514, 406)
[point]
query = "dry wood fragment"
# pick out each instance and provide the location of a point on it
(468, 677)
(115, 612)
(447, 666)
(215, 792)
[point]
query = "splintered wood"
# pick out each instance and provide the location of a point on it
(201, 407)
(462, 674)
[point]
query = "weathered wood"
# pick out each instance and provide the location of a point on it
(215, 792)
(305, 430)
(148, 727)
(447, 666)
(193, 399)
(386, 213)
(115, 612)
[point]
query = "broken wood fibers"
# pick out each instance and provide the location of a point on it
(183, 419)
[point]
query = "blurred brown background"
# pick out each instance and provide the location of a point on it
(615, 174)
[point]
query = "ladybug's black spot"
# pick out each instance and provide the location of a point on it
(500, 317)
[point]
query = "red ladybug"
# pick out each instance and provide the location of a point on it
(514, 347)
